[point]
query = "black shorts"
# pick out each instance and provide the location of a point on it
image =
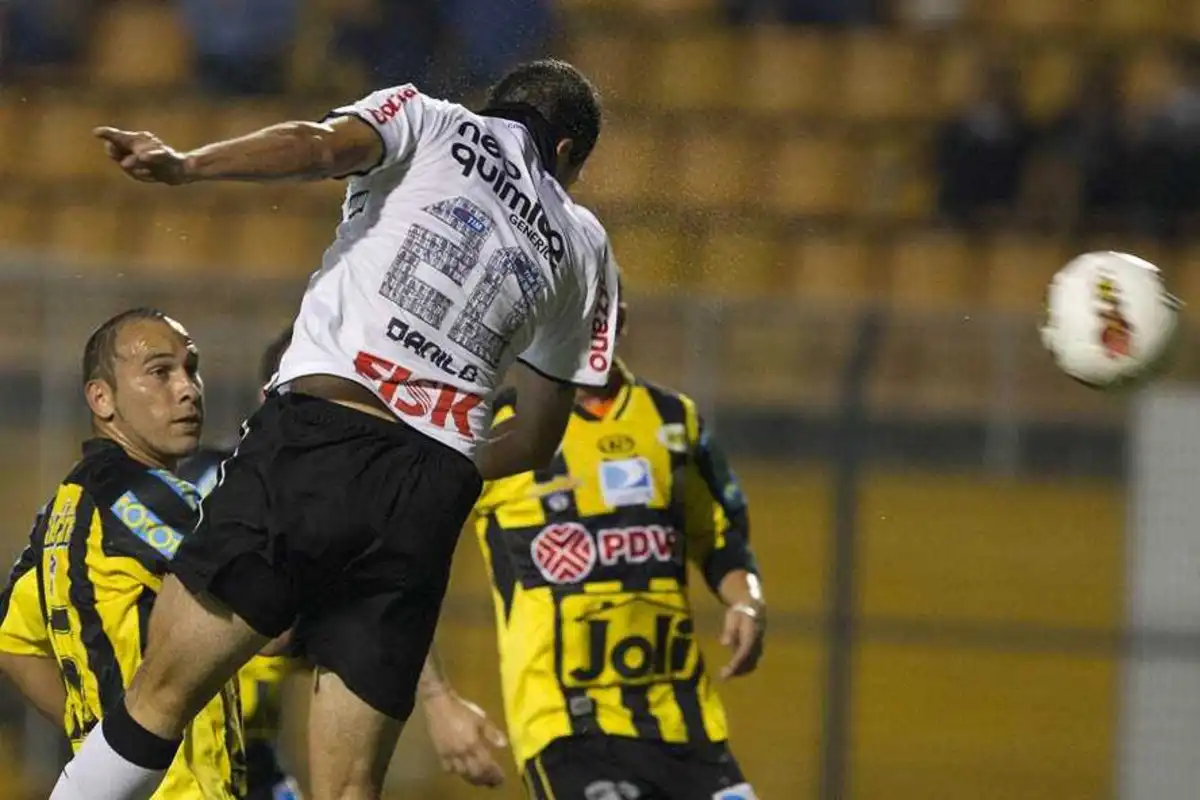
(342, 524)
(618, 768)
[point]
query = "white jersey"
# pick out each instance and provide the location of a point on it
(456, 254)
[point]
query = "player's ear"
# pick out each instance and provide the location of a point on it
(100, 399)
(566, 172)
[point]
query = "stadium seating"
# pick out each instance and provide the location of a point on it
(140, 44)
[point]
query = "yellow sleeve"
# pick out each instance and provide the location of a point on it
(22, 627)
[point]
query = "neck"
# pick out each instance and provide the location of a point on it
(616, 380)
(138, 452)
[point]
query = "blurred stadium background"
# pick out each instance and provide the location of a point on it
(836, 218)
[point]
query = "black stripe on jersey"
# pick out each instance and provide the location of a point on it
(26, 562)
(60, 621)
(517, 540)
(231, 707)
(687, 696)
(504, 575)
(102, 658)
(506, 398)
(145, 604)
(637, 700)
(581, 710)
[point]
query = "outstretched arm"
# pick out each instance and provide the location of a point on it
(335, 148)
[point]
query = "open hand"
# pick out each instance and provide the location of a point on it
(144, 157)
(463, 738)
(745, 626)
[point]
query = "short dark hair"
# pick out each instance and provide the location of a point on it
(269, 364)
(561, 94)
(100, 352)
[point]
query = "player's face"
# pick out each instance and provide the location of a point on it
(159, 397)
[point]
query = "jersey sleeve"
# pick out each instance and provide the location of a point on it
(22, 624)
(397, 115)
(576, 344)
(717, 520)
(149, 519)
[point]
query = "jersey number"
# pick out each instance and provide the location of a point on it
(456, 261)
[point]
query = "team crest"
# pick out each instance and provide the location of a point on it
(1117, 335)
(742, 791)
(564, 552)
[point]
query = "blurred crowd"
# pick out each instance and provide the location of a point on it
(1100, 165)
(242, 47)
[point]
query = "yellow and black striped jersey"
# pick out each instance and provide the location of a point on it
(588, 561)
(82, 592)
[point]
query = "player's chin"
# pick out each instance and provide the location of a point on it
(184, 441)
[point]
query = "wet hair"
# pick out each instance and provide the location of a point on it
(100, 352)
(268, 365)
(560, 93)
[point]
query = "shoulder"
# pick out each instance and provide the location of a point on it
(105, 471)
(200, 464)
(678, 411)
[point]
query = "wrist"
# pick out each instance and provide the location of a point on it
(190, 168)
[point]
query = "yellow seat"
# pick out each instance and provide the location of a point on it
(833, 268)
(883, 76)
(1140, 18)
(14, 133)
(813, 174)
(614, 62)
(959, 67)
(739, 259)
(1148, 78)
(61, 145)
(1049, 80)
(627, 166)
(181, 124)
(1033, 16)
(94, 235)
(140, 44)
(275, 244)
(786, 71)
(1018, 270)
(178, 239)
(651, 256)
(719, 168)
(697, 72)
(932, 270)
(22, 223)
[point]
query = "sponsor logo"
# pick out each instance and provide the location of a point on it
(598, 358)
(616, 444)
(438, 403)
(742, 791)
(626, 482)
(392, 105)
(480, 153)
(564, 553)
(416, 342)
(636, 545)
(145, 525)
(634, 638)
(1117, 335)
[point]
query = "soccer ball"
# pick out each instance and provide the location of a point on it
(1109, 319)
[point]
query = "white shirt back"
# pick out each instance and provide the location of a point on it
(456, 254)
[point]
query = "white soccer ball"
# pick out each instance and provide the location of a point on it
(1109, 319)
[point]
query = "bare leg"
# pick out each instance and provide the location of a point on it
(196, 646)
(350, 743)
